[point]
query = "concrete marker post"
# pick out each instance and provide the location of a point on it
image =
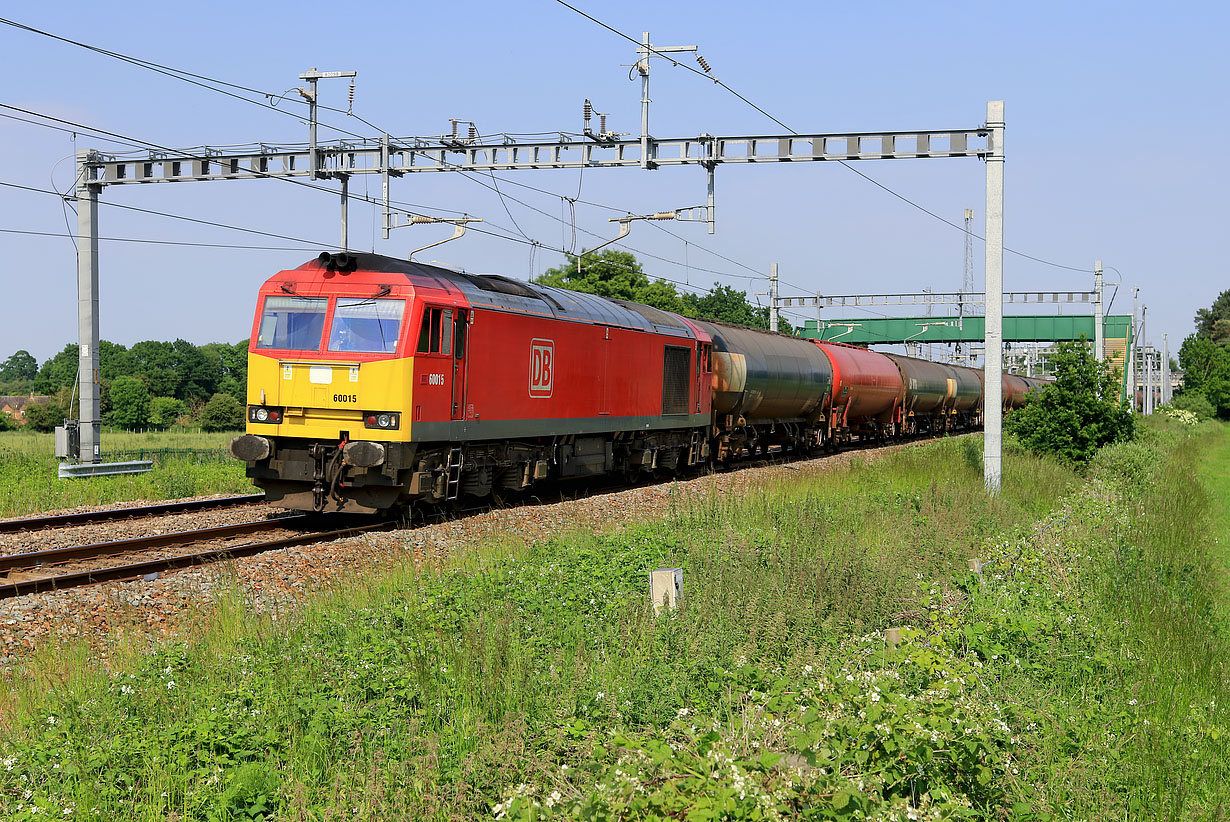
(665, 589)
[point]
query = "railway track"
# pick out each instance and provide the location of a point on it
(28, 573)
(9, 526)
(117, 560)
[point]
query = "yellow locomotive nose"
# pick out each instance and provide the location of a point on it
(329, 401)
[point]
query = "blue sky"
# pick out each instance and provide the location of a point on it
(1114, 113)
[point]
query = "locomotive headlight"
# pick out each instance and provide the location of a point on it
(262, 414)
(384, 420)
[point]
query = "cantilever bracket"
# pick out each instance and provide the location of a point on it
(460, 229)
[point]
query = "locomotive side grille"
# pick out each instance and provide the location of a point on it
(675, 371)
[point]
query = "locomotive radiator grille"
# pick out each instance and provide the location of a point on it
(676, 368)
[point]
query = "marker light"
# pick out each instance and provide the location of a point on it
(263, 414)
(388, 420)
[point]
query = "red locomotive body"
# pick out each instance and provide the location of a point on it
(523, 370)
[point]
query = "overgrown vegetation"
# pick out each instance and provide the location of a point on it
(1196, 404)
(1081, 676)
(1077, 414)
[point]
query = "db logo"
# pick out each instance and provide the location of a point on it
(542, 367)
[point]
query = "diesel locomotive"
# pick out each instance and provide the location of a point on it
(374, 383)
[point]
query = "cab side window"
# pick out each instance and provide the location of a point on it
(429, 331)
(459, 335)
(443, 331)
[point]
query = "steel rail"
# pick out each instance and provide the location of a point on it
(138, 570)
(61, 520)
(56, 556)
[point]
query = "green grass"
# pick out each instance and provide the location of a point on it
(1214, 474)
(43, 445)
(1125, 712)
(1082, 677)
(29, 482)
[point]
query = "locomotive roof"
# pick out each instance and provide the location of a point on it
(507, 294)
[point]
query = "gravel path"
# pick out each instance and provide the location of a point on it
(274, 582)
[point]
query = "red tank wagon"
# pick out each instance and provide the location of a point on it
(867, 391)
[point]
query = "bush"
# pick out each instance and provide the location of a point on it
(44, 416)
(1130, 463)
(1194, 401)
(222, 413)
(1077, 414)
(165, 411)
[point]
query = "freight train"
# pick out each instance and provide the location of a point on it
(375, 383)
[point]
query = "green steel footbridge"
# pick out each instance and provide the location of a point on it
(1117, 330)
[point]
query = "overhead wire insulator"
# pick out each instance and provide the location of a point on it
(421, 219)
(350, 101)
(704, 64)
(602, 123)
(473, 131)
(663, 215)
(589, 111)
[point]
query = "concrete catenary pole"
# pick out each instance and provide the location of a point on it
(1144, 362)
(1131, 352)
(87, 312)
(1099, 345)
(992, 455)
(773, 320)
(1165, 370)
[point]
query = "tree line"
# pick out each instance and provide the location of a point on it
(1205, 359)
(618, 275)
(160, 384)
(154, 384)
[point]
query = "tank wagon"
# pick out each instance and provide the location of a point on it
(767, 389)
(868, 393)
(374, 383)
